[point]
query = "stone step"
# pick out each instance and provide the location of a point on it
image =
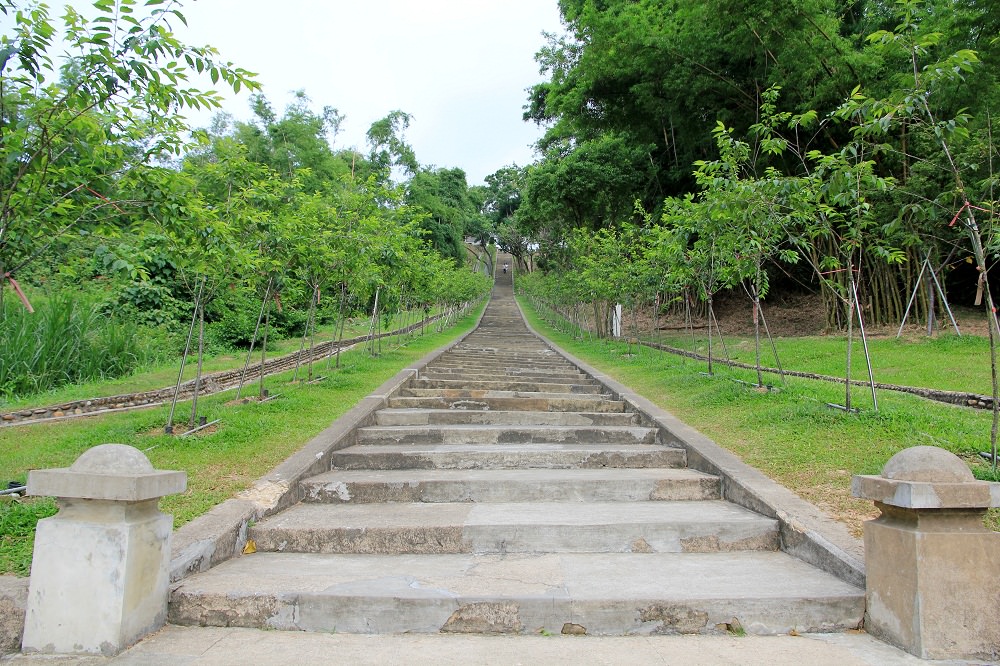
(701, 526)
(399, 417)
(514, 385)
(510, 485)
(520, 366)
(601, 593)
(506, 434)
(408, 392)
(526, 375)
(506, 456)
(538, 403)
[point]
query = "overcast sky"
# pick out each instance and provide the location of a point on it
(459, 67)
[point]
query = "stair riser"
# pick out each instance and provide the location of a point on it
(505, 366)
(485, 539)
(514, 370)
(544, 613)
(536, 404)
(494, 418)
(493, 393)
(504, 435)
(665, 457)
(509, 491)
(520, 386)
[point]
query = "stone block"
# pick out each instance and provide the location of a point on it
(99, 579)
(99, 574)
(932, 585)
(932, 565)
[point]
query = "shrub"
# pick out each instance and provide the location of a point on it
(69, 339)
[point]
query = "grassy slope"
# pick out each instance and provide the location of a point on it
(791, 435)
(946, 362)
(251, 439)
(148, 379)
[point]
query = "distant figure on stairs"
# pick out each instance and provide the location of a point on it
(505, 266)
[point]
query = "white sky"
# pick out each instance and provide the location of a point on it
(459, 67)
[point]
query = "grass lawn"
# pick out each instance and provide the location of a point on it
(148, 379)
(249, 441)
(947, 362)
(791, 435)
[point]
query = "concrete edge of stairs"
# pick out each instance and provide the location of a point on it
(221, 533)
(805, 532)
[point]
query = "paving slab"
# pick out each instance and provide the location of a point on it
(215, 646)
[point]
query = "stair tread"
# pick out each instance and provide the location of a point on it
(612, 576)
(534, 447)
(510, 475)
(416, 514)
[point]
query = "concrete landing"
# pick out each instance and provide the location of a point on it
(213, 646)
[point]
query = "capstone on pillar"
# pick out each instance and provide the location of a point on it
(932, 567)
(99, 574)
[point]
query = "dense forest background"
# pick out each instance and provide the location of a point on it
(121, 226)
(701, 146)
(691, 148)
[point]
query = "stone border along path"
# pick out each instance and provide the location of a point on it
(495, 488)
(216, 382)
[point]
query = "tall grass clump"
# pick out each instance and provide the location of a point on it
(67, 340)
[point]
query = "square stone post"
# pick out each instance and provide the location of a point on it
(933, 569)
(99, 574)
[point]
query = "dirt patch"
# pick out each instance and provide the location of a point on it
(787, 315)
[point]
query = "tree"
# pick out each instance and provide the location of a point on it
(68, 129)
(444, 195)
(388, 147)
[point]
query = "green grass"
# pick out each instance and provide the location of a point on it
(947, 362)
(165, 374)
(791, 434)
(250, 440)
(17, 531)
(68, 340)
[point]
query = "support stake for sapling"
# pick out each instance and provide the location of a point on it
(201, 357)
(201, 426)
(307, 333)
(169, 429)
(864, 342)
(935, 285)
(253, 340)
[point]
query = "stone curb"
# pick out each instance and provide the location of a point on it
(805, 531)
(221, 534)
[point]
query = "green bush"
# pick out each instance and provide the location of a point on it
(69, 339)
(233, 317)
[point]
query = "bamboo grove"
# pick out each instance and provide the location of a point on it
(805, 142)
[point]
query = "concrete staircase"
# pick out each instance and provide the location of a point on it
(504, 492)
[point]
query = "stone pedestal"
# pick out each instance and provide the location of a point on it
(99, 575)
(933, 569)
